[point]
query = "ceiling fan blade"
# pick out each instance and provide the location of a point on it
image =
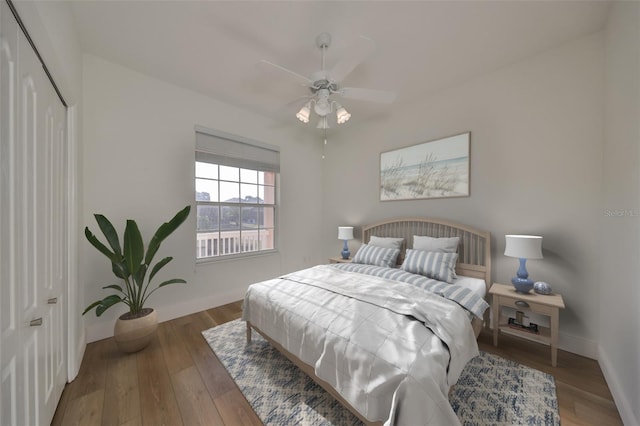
(287, 112)
(266, 65)
(372, 95)
(298, 102)
(356, 53)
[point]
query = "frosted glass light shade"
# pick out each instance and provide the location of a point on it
(345, 232)
(342, 115)
(523, 246)
(303, 114)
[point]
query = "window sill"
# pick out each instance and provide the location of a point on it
(234, 257)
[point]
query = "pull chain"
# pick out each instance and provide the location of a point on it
(324, 145)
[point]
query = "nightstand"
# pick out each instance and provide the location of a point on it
(339, 260)
(547, 305)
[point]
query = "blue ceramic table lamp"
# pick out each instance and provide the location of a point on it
(523, 247)
(345, 233)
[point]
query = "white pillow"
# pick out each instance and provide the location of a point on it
(439, 245)
(387, 242)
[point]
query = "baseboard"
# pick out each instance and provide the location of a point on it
(167, 313)
(104, 330)
(620, 396)
(578, 345)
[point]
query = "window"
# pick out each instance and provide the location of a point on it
(236, 192)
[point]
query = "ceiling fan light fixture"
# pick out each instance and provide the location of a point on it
(322, 105)
(305, 111)
(323, 123)
(342, 115)
(325, 85)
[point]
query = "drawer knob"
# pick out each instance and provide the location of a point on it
(522, 303)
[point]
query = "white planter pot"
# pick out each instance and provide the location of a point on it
(134, 334)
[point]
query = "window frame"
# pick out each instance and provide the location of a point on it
(209, 155)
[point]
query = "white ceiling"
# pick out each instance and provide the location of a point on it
(213, 47)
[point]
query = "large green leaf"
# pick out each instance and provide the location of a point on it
(114, 287)
(133, 247)
(159, 266)
(101, 247)
(91, 306)
(109, 232)
(106, 303)
(139, 277)
(119, 270)
(164, 231)
(173, 281)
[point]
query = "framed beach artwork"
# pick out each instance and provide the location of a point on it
(435, 169)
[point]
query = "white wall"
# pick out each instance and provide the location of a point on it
(536, 168)
(619, 344)
(139, 163)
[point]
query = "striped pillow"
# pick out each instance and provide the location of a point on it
(378, 256)
(435, 265)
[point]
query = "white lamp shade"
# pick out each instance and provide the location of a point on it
(523, 246)
(345, 232)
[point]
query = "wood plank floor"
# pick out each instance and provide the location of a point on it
(178, 380)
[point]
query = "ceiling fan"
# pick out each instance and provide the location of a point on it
(325, 84)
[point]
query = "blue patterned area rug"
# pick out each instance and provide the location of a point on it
(490, 391)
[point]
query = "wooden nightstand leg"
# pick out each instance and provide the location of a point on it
(554, 337)
(495, 308)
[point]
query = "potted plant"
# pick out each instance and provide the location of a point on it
(132, 264)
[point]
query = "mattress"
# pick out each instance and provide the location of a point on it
(476, 285)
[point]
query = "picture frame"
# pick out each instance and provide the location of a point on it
(434, 169)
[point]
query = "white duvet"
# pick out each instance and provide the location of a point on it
(392, 350)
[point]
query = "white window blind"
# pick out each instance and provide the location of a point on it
(222, 148)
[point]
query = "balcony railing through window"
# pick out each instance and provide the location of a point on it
(213, 244)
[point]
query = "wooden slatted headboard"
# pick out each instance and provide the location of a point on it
(474, 250)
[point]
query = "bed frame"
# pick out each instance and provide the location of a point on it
(474, 260)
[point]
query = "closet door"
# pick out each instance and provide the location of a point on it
(11, 359)
(32, 218)
(52, 224)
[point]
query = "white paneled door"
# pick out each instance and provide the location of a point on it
(32, 233)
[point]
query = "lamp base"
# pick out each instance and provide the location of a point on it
(522, 285)
(345, 251)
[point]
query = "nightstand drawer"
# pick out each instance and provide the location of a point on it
(526, 305)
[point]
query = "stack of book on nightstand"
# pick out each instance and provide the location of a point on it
(531, 328)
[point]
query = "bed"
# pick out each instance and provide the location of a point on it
(387, 340)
